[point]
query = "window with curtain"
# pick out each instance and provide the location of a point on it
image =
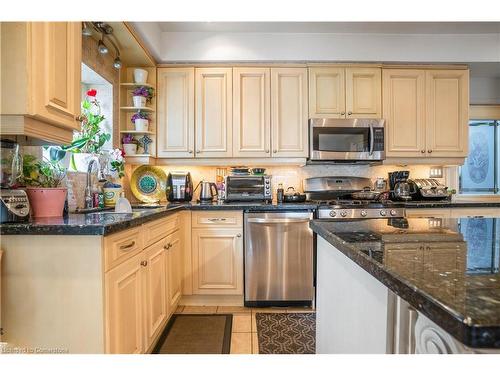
(480, 173)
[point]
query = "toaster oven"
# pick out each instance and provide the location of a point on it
(248, 188)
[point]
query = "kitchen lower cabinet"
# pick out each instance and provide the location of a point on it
(125, 307)
(174, 270)
(156, 268)
(217, 261)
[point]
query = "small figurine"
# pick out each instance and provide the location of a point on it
(145, 141)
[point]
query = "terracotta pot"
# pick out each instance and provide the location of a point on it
(47, 202)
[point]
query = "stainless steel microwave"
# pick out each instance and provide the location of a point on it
(347, 140)
(248, 188)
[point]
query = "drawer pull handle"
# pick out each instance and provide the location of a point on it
(238, 235)
(167, 246)
(125, 247)
(144, 263)
(214, 219)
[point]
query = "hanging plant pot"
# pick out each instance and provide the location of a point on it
(47, 202)
(140, 75)
(139, 101)
(130, 149)
(141, 125)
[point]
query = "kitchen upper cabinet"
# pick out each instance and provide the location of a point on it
(447, 95)
(41, 68)
(327, 92)
(156, 288)
(363, 92)
(217, 261)
(176, 131)
(426, 112)
(214, 105)
(251, 112)
(124, 307)
(337, 92)
(404, 112)
(174, 270)
(289, 112)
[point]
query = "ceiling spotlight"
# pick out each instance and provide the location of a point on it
(102, 47)
(86, 30)
(117, 63)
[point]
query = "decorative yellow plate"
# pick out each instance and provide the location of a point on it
(149, 184)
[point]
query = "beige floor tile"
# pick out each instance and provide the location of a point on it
(254, 323)
(241, 343)
(242, 323)
(269, 310)
(179, 309)
(199, 310)
(255, 343)
(300, 310)
(233, 309)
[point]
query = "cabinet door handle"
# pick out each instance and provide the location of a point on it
(342, 113)
(422, 151)
(238, 235)
(198, 151)
(429, 151)
(349, 113)
(128, 246)
(144, 263)
(275, 151)
(267, 151)
(190, 151)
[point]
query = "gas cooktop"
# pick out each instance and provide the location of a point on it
(358, 209)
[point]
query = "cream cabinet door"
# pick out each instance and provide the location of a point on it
(363, 92)
(174, 270)
(404, 112)
(156, 302)
(326, 92)
(447, 93)
(175, 103)
(289, 112)
(214, 94)
(56, 49)
(124, 306)
(251, 112)
(217, 261)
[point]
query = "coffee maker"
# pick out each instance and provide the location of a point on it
(400, 188)
(180, 187)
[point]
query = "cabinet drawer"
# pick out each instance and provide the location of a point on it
(208, 219)
(121, 246)
(160, 228)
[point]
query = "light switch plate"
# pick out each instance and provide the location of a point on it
(436, 172)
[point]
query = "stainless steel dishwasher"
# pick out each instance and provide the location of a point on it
(278, 259)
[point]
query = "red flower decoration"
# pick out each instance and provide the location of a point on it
(123, 152)
(92, 92)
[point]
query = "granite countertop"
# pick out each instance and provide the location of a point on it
(107, 222)
(448, 269)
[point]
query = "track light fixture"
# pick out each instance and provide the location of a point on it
(117, 63)
(102, 47)
(86, 29)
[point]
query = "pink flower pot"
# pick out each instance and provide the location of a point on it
(47, 202)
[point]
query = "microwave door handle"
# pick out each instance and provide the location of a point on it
(371, 139)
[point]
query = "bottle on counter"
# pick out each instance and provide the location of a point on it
(280, 193)
(100, 195)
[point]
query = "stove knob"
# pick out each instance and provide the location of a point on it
(394, 212)
(343, 214)
(333, 213)
(363, 213)
(383, 213)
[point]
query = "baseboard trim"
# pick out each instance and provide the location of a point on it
(213, 300)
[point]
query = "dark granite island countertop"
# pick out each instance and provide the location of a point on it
(448, 269)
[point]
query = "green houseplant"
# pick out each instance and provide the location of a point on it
(43, 179)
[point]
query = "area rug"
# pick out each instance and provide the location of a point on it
(196, 334)
(286, 333)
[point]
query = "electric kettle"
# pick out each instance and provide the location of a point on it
(208, 191)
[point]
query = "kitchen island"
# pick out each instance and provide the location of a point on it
(416, 285)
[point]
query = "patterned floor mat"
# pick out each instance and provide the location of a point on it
(286, 333)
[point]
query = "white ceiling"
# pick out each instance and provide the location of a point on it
(335, 27)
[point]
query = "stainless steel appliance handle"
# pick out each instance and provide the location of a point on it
(277, 221)
(371, 139)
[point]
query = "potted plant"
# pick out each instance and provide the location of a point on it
(129, 144)
(140, 75)
(44, 190)
(140, 120)
(142, 95)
